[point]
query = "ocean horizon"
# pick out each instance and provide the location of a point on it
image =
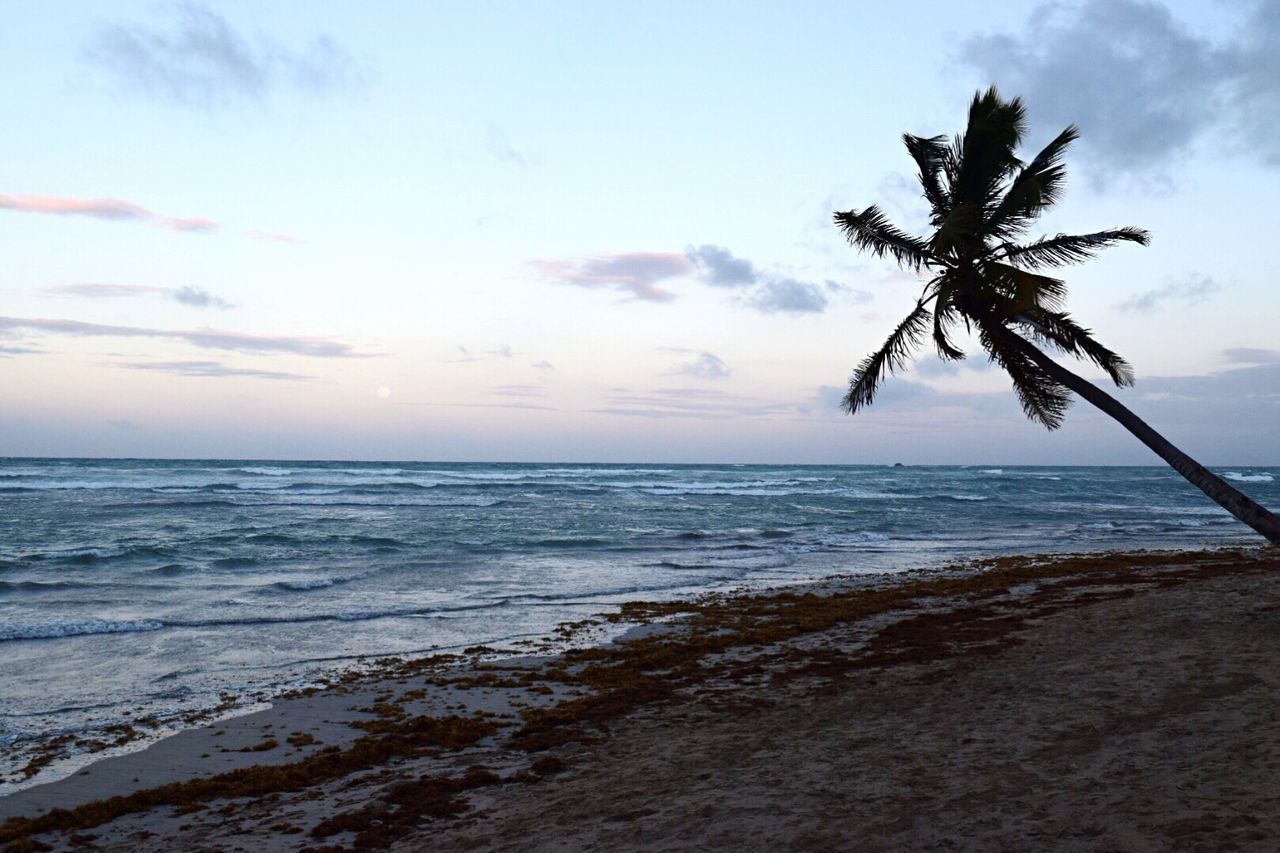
(162, 588)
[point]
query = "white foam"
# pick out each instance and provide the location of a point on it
(50, 630)
(1249, 478)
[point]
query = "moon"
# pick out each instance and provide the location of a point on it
(384, 392)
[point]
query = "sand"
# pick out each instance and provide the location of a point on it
(1130, 711)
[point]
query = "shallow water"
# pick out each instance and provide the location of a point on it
(156, 586)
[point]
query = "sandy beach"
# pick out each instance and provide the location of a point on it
(1121, 702)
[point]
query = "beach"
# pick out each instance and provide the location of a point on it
(1122, 701)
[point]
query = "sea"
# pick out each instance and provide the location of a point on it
(158, 588)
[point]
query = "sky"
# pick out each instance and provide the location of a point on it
(602, 232)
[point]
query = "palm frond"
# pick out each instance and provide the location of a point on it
(1024, 289)
(1058, 328)
(987, 152)
(1043, 399)
(1037, 186)
(944, 317)
(1063, 249)
(872, 232)
(889, 358)
(930, 156)
(963, 224)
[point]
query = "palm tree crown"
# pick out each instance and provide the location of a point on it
(982, 200)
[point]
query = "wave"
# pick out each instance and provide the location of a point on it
(53, 630)
(89, 627)
(266, 471)
(572, 542)
(42, 586)
(79, 555)
(172, 570)
(1249, 478)
(305, 584)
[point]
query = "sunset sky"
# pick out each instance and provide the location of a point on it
(602, 232)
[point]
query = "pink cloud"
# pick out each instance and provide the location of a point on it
(191, 223)
(637, 273)
(99, 208)
(104, 208)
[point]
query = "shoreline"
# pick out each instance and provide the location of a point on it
(59, 754)
(516, 710)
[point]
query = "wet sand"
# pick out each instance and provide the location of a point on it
(1125, 704)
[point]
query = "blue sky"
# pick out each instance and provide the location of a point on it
(584, 231)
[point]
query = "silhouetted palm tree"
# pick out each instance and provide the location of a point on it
(982, 200)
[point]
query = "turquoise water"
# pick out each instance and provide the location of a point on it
(155, 586)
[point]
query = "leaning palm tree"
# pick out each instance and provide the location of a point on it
(985, 276)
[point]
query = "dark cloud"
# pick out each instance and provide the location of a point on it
(213, 369)
(199, 60)
(1250, 355)
(1189, 291)
(193, 296)
(1141, 84)
(204, 338)
(788, 296)
(104, 208)
(719, 268)
(706, 365)
(198, 298)
(1254, 64)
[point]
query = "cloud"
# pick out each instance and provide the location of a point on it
(104, 208)
(501, 149)
(543, 365)
(9, 351)
(519, 391)
(694, 403)
(788, 296)
(198, 298)
(1194, 289)
(719, 268)
(1249, 355)
(708, 366)
(642, 273)
(193, 296)
(200, 60)
(636, 273)
(1141, 84)
(857, 297)
(212, 369)
(203, 338)
(467, 355)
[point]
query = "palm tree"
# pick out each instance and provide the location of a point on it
(982, 200)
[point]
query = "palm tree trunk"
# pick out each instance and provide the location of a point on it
(1229, 498)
